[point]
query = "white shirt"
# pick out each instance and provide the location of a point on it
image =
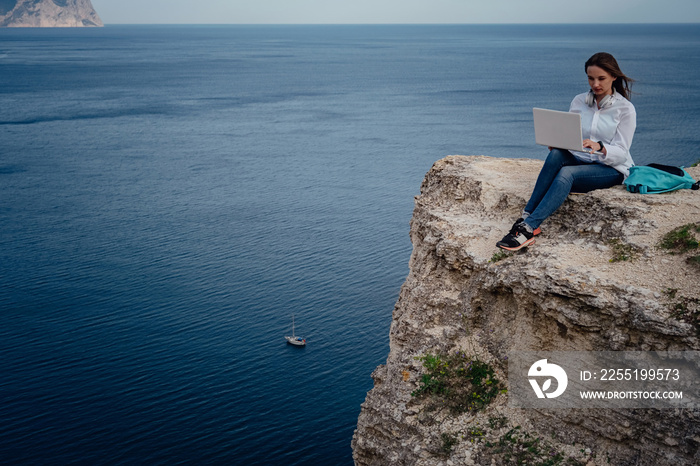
(613, 125)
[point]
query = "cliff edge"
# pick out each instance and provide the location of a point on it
(48, 13)
(595, 280)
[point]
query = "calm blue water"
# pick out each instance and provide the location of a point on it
(170, 196)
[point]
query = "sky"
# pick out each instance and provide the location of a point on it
(395, 11)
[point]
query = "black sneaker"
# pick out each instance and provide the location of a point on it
(536, 232)
(518, 238)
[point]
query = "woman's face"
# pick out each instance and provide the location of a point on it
(600, 80)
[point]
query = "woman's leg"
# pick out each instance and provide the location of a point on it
(556, 159)
(579, 178)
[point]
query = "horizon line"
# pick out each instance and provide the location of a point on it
(410, 24)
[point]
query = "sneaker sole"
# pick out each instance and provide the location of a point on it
(518, 248)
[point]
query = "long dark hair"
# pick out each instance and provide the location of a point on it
(608, 63)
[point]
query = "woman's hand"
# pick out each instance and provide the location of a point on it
(594, 146)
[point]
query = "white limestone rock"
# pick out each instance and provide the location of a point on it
(562, 293)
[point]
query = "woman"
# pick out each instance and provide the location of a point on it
(608, 121)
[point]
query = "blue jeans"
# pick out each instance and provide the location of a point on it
(561, 174)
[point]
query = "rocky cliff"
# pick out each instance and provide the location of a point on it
(48, 13)
(596, 280)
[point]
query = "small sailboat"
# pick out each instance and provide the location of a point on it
(295, 340)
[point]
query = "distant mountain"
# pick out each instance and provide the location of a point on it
(48, 13)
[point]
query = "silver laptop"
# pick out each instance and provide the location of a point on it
(559, 129)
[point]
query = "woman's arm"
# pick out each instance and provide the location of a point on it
(621, 123)
(617, 149)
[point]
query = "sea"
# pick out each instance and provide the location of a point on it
(171, 197)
